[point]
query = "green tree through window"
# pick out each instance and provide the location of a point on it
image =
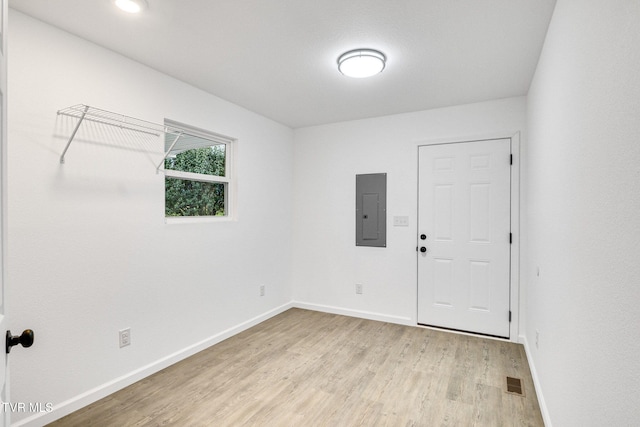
(198, 172)
(192, 197)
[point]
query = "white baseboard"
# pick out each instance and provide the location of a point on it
(401, 320)
(534, 374)
(84, 399)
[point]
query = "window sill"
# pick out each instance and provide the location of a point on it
(196, 219)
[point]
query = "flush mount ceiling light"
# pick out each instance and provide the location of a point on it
(131, 6)
(361, 63)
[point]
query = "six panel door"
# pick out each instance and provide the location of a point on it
(464, 211)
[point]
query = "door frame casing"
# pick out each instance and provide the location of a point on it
(514, 273)
(5, 415)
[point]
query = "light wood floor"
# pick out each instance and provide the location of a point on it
(304, 368)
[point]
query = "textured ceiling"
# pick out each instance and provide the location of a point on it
(278, 57)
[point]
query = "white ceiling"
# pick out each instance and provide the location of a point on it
(278, 57)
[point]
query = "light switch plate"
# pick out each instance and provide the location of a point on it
(400, 221)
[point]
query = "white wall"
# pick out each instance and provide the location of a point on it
(326, 262)
(88, 250)
(583, 206)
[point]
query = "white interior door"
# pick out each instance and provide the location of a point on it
(4, 382)
(464, 225)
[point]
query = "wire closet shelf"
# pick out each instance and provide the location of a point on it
(85, 112)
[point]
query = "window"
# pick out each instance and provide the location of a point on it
(197, 172)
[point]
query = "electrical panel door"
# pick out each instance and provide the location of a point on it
(371, 210)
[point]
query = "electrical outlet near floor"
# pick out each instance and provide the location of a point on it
(359, 288)
(262, 290)
(125, 337)
(537, 339)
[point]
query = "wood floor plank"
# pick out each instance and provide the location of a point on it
(317, 369)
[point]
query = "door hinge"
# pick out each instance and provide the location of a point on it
(509, 316)
(510, 238)
(510, 159)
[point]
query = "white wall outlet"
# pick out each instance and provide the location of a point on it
(359, 288)
(262, 290)
(537, 339)
(125, 337)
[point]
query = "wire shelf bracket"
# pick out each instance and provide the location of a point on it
(87, 113)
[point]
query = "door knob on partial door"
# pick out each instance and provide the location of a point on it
(26, 339)
(423, 249)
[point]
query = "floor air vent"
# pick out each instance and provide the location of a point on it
(514, 386)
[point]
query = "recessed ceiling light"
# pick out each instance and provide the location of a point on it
(131, 6)
(361, 63)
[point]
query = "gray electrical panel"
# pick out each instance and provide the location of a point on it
(371, 210)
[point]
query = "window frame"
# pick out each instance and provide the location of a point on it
(174, 127)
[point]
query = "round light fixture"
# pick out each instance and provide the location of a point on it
(361, 63)
(131, 6)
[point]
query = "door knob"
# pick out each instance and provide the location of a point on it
(423, 249)
(26, 339)
(423, 237)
